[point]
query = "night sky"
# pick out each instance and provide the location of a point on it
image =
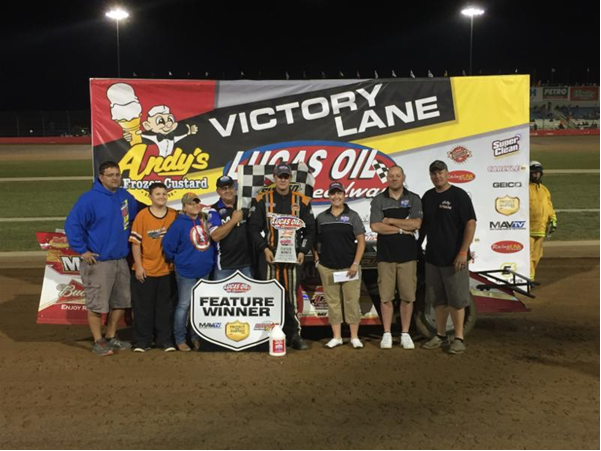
(50, 50)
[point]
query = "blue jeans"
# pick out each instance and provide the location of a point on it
(182, 310)
(220, 274)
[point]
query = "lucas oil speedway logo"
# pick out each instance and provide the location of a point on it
(362, 170)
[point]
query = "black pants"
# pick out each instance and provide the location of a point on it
(287, 275)
(153, 303)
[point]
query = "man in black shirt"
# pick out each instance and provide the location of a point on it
(283, 201)
(449, 226)
(396, 214)
(233, 245)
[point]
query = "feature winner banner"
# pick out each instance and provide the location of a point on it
(188, 133)
(237, 313)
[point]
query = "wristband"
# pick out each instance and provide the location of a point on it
(355, 263)
(463, 253)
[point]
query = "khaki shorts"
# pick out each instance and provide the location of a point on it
(445, 286)
(106, 285)
(339, 295)
(401, 276)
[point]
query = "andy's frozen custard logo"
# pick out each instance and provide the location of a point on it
(154, 154)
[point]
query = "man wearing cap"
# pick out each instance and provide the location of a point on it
(396, 214)
(449, 227)
(282, 201)
(98, 228)
(543, 220)
(341, 241)
(233, 251)
(187, 244)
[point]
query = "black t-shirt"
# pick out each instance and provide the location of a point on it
(445, 217)
(396, 248)
(234, 250)
(338, 237)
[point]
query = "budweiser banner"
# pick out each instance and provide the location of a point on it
(62, 298)
(188, 133)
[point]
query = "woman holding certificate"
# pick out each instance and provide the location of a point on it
(341, 242)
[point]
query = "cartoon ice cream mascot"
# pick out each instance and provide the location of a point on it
(163, 130)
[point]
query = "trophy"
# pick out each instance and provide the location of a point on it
(287, 226)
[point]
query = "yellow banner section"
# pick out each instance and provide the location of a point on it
(482, 105)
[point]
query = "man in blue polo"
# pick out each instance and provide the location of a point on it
(233, 248)
(98, 228)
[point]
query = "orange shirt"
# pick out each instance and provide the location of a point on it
(148, 232)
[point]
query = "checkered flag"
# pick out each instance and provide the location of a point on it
(381, 170)
(253, 179)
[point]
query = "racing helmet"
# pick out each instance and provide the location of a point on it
(536, 166)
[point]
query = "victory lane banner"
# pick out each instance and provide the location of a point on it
(236, 313)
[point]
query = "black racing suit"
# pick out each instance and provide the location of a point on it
(295, 204)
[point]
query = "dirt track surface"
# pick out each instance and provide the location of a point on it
(527, 381)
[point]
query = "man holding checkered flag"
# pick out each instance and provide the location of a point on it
(282, 228)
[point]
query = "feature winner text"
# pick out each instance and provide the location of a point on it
(236, 306)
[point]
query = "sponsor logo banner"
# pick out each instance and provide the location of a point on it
(461, 176)
(459, 154)
(584, 93)
(506, 168)
(234, 312)
(507, 225)
(156, 136)
(555, 93)
(507, 184)
(507, 205)
(505, 147)
(507, 247)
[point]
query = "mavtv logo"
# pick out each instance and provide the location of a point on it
(507, 225)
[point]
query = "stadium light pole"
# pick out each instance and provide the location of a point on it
(118, 14)
(471, 12)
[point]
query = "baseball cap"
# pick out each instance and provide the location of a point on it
(190, 197)
(224, 180)
(283, 168)
(336, 186)
(438, 165)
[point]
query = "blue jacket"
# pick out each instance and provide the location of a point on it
(182, 247)
(100, 222)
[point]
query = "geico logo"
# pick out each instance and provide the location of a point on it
(507, 185)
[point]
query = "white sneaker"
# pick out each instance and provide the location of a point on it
(407, 342)
(334, 342)
(356, 343)
(386, 342)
